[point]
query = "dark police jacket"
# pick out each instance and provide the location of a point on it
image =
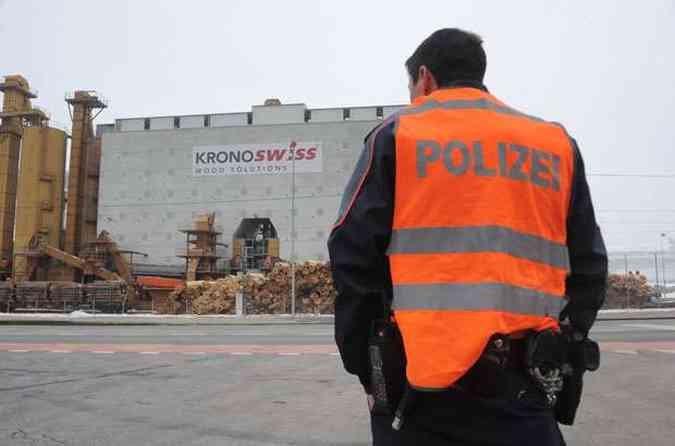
(360, 267)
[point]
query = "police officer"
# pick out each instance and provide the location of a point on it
(472, 219)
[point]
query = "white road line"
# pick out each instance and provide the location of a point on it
(60, 351)
(19, 351)
(625, 352)
(335, 354)
(241, 353)
(102, 352)
(672, 352)
(288, 354)
(194, 353)
(652, 326)
(620, 328)
(148, 353)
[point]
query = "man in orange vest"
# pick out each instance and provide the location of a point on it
(475, 223)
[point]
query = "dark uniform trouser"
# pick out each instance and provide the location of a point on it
(457, 418)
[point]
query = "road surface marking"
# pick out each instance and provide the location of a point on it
(618, 328)
(19, 351)
(102, 352)
(149, 353)
(334, 354)
(254, 349)
(672, 352)
(60, 351)
(288, 354)
(626, 352)
(241, 353)
(652, 326)
(194, 353)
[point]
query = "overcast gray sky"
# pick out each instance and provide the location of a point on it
(605, 69)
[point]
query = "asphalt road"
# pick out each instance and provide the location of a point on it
(269, 385)
(303, 334)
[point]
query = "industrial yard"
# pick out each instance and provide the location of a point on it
(199, 214)
(171, 214)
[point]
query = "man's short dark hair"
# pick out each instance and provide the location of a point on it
(451, 55)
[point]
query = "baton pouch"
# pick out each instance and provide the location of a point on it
(387, 366)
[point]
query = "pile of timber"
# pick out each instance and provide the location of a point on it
(271, 293)
(107, 296)
(30, 296)
(202, 297)
(66, 295)
(314, 290)
(262, 293)
(214, 297)
(628, 290)
(6, 295)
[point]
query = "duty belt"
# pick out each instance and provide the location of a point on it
(502, 371)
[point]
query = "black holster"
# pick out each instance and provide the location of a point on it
(582, 355)
(387, 366)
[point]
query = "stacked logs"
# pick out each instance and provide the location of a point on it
(217, 297)
(263, 293)
(316, 289)
(271, 294)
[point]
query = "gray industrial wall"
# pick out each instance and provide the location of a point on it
(148, 191)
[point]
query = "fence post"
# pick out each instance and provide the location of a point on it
(627, 288)
(239, 304)
(656, 267)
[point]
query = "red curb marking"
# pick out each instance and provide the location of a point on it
(172, 348)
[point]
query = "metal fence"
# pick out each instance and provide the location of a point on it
(657, 267)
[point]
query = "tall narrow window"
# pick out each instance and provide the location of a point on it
(308, 115)
(176, 122)
(146, 123)
(249, 118)
(346, 114)
(207, 121)
(380, 112)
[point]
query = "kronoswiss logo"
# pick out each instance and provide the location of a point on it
(257, 159)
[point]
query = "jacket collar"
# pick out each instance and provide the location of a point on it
(458, 90)
(465, 84)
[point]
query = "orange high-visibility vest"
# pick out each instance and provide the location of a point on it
(478, 245)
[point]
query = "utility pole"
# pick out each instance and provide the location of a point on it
(292, 149)
(625, 263)
(663, 262)
(656, 265)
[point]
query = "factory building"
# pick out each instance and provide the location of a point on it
(159, 173)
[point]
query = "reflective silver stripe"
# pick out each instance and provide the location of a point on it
(473, 239)
(476, 104)
(483, 296)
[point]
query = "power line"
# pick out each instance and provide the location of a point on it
(634, 210)
(633, 175)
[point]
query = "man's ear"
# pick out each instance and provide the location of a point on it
(428, 81)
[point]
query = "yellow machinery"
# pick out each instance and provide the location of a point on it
(41, 192)
(85, 155)
(201, 245)
(92, 263)
(255, 245)
(34, 243)
(17, 113)
(104, 244)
